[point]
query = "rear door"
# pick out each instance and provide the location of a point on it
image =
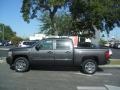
(63, 52)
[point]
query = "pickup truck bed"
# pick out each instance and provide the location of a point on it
(97, 54)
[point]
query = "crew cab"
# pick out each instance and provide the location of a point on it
(57, 52)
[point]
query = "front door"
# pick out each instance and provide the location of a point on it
(43, 53)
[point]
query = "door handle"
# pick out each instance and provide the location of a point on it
(68, 52)
(50, 52)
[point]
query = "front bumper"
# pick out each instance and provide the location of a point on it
(9, 60)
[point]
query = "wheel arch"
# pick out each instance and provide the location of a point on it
(16, 56)
(95, 58)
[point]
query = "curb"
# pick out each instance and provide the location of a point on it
(4, 49)
(109, 66)
(114, 59)
(2, 61)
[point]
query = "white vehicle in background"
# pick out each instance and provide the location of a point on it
(116, 46)
(110, 52)
(26, 43)
(1, 44)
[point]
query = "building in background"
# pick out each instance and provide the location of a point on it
(37, 37)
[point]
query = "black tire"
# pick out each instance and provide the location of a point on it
(89, 66)
(12, 67)
(21, 64)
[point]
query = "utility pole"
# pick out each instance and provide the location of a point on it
(3, 32)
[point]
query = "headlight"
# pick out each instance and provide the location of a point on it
(10, 53)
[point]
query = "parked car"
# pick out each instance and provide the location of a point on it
(26, 43)
(116, 45)
(57, 52)
(4, 43)
(111, 45)
(1, 44)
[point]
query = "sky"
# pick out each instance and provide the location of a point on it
(10, 15)
(115, 33)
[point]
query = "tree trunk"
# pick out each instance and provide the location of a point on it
(96, 38)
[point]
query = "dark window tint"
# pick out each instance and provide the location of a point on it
(85, 44)
(26, 43)
(63, 44)
(29, 43)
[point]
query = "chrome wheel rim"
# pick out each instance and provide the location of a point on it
(20, 65)
(90, 67)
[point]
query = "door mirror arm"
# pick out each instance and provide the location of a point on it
(37, 48)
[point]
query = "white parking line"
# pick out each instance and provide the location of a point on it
(96, 74)
(111, 87)
(103, 74)
(91, 88)
(106, 87)
(83, 74)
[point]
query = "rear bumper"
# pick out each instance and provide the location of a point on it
(104, 62)
(108, 62)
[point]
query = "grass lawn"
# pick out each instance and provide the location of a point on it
(114, 62)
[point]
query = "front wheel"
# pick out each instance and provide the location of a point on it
(89, 66)
(21, 64)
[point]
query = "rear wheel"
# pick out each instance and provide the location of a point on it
(21, 64)
(89, 66)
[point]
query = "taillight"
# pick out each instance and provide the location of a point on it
(107, 55)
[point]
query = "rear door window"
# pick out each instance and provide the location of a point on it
(63, 44)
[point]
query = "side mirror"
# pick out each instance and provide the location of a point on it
(37, 47)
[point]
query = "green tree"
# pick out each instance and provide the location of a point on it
(8, 32)
(62, 24)
(15, 40)
(31, 8)
(89, 15)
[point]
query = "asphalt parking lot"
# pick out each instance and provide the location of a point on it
(59, 79)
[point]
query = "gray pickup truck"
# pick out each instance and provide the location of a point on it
(57, 52)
